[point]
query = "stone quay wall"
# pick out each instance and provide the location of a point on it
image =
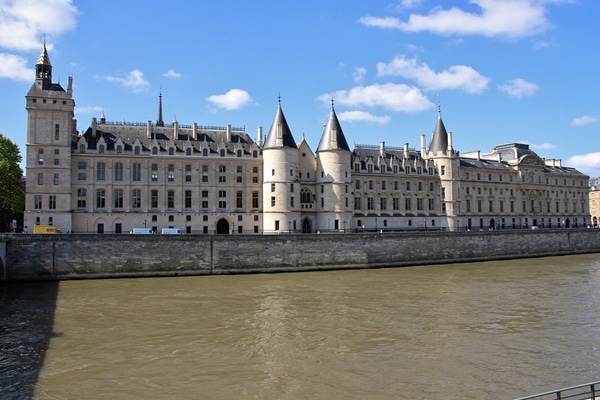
(80, 256)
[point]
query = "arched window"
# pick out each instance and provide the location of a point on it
(205, 152)
(305, 196)
(82, 148)
(222, 153)
(188, 151)
(171, 151)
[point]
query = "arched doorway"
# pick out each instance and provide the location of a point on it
(222, 227)
(492, 224)
(306, 225)
(567, 223)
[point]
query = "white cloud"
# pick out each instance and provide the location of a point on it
(24, 22)
(509, 18)
(172, 74)
(587, 163)
(88, 109)
(585, 120)
(410, 3)
(134, 81)
(519, 88)
(456, 77)
(395, 97)
(542, 146)
(15, 68)
(352, 116)
(232, 100)
(359, 74)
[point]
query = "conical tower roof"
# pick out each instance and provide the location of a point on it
(439, 141)
(280, 134)
(333, 137)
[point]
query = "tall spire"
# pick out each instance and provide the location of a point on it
(333, 137)
(280, 134)
(159, 120)
(43, 68)
(439, 140)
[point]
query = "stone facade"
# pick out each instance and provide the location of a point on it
(114, 177)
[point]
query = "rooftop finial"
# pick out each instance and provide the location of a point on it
(439, 107)
(279, 97)
(332, 102)
(159, 120)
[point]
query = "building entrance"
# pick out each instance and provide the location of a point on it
(223, 227)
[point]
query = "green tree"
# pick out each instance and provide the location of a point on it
(12, 197)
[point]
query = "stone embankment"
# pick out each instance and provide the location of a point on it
(74, 256)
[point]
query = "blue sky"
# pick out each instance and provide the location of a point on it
(502, 71)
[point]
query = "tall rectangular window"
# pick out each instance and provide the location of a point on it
(154, 198)
(56, 132)
(118, 198)
(239, 200)
(370, 203)
(137, 172)
(222, 199)
(40, 179)
(56, 179)
(136, 198)
(118, 172)
(188, 199)
(100, 198)
(101, 171)
(52, 202)
(170, 199)
(81, 198)
(254, 199)
(37, 202)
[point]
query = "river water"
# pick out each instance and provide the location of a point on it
(492, 330)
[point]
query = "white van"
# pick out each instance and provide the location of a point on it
(171, 231)
(141, 231)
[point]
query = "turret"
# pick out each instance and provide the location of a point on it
(333, 177)
(281, 191)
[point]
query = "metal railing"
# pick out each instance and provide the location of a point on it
(587, 391)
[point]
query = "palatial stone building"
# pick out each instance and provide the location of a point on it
(113, 177)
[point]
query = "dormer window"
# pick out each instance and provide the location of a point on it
(119, 149)
(101, 149)
(171, 151)
(136, 150)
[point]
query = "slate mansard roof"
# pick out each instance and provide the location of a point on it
(211, 137)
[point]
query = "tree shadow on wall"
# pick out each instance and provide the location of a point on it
(26, 327)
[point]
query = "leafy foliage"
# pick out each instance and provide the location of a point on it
(12, 197)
